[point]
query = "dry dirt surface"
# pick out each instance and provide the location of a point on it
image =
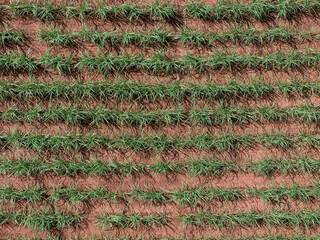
(159, 119)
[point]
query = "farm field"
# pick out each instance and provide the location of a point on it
(176, 119)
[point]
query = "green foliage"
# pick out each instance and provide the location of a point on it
(203, 167)
(18, 62)
(149, 194)
(154, 37)
(11, 36)
(45, 11)
(27, 194)
(60, 64)
(161, 63)
(285, 166)
(74, 116)
(34, 167)
(186, 195)
(155, 142)
(40, 221)
(153, 92)
(282, 193)
(259, 10)
(299, 218)
(218, 60)
(221, 11)
(122, 220)
(208, 167)
(160, 36)
(73, 195)
(195, 195)
(53, 36)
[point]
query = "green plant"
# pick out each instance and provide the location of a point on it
(73, 195)
(121, 220)
(147, 194)
(11, 36)
(123, 89)
(27, 194)
(40, 220)
(299, 218)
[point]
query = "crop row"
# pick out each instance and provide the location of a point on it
(46, 221)
(160, 63)
(241, 219)
(40, 221)
(156, 142)
(223, 10)
(251, 219)
(205, 116)
(203, 167)
(11, 36)
(162, 37)
(186, 195)
(125, 90)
